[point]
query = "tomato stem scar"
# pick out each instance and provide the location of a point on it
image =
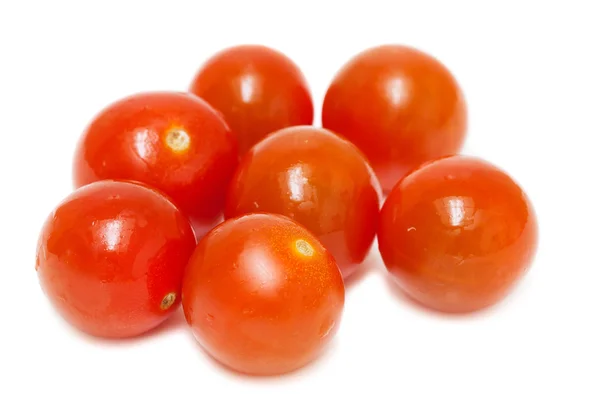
(178, 140)
(304, 247)
(168, 301)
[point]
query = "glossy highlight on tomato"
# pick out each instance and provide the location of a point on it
(400, 106)
(258, 90)
(457, 234)
(262, 295)
(111, 258)
(172, 141)
(318, 179)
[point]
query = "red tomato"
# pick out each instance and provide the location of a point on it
(400, 106)
(258, 90)
(321, 181)
(457, 234)
(262, 295)
(172, 141)
(111, 258)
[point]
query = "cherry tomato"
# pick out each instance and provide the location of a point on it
(111, 258)
(400, 106)
(172, 141)
(457, 234)
(321, 181)
(262, 294)
(258, 90)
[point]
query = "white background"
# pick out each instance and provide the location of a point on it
(531, 75)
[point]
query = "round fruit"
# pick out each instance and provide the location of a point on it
(457, 234)
(258, 90)
(262, 295)
(111, 258)
(400, 106)
(172, 141)
(316, 178)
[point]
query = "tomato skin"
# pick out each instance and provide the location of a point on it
(172, 141)
(319, 180)
(457, 234)
(400, 106)
(259, 90)
(111, 258)
(262, 295)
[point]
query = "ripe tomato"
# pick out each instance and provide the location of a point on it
(400, 106)
(111, 258)
(457, 233)
(321, 181)
(172, 141)
(258, 90)
(262, 295)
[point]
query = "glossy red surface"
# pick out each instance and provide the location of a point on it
(457, 233)
(172, 141)
(318, 179)
(111, 258)
(400, 106)
(258, 90)
(262, 295)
